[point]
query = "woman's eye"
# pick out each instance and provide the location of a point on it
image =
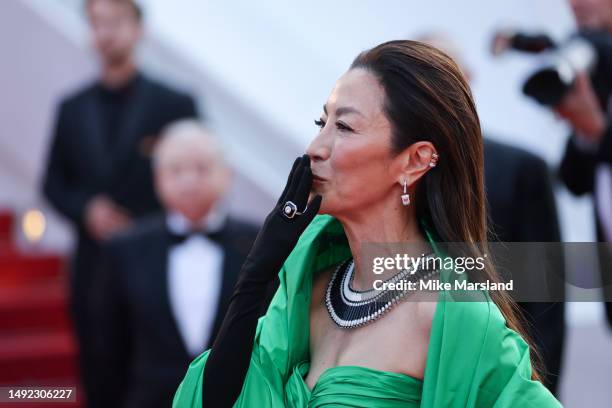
(320, 123)
(342, 126)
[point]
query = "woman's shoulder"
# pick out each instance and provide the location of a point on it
(476, 317)
(478, 313)
(426, 307)
(412, 325)
(491, 361)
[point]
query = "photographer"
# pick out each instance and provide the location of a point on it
(586, 166)
(577, 84)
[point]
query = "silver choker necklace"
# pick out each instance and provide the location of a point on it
(349, 308)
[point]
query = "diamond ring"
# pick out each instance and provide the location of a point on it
(290, 210)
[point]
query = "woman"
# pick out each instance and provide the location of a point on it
(398, 158)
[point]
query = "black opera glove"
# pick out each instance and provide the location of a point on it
(286, 222)
(229, 357)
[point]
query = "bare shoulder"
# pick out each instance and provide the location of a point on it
(421, 308)
(414, 333)
(426, 309)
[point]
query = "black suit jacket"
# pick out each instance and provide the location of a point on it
(521, 208)
(519, 194)
(144, 357)
(80, 165)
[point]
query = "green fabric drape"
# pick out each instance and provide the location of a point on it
(473, 360)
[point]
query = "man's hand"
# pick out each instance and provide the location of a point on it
(581, 109)
(502, 40)
(103, 218)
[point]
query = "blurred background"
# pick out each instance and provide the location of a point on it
(259, 73)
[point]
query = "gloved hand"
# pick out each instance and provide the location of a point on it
(229, 358)
(285, 223)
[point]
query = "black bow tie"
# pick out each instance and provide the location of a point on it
(176, 238)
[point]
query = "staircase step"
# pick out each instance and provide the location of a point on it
(37, 347)
(42, 305)
(15, 269)
(34, 356)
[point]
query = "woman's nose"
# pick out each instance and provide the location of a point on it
(318, 149)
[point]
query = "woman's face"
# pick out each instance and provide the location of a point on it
(351, 155)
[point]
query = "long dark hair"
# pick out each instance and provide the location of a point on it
(428, 98)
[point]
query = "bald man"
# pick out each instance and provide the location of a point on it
(166, 283)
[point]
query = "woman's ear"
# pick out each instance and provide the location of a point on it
(415, 161)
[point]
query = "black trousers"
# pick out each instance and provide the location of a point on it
(82, 297)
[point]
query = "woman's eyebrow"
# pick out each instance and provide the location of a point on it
(343, 110)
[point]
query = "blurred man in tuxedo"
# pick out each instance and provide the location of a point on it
(586, 166)
(98, 173)
(521, 208)
(166, 283)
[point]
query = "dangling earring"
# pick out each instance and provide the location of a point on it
(405, 196)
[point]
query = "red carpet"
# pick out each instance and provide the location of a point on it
(37, 346)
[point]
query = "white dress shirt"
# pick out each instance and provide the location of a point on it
(195, 274)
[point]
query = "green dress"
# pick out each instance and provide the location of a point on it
(473, 360)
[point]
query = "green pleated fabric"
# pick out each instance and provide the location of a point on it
(352, 386)
(473, 360)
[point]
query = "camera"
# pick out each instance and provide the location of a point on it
(548, 83)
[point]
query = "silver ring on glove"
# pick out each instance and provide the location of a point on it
(290, 210)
